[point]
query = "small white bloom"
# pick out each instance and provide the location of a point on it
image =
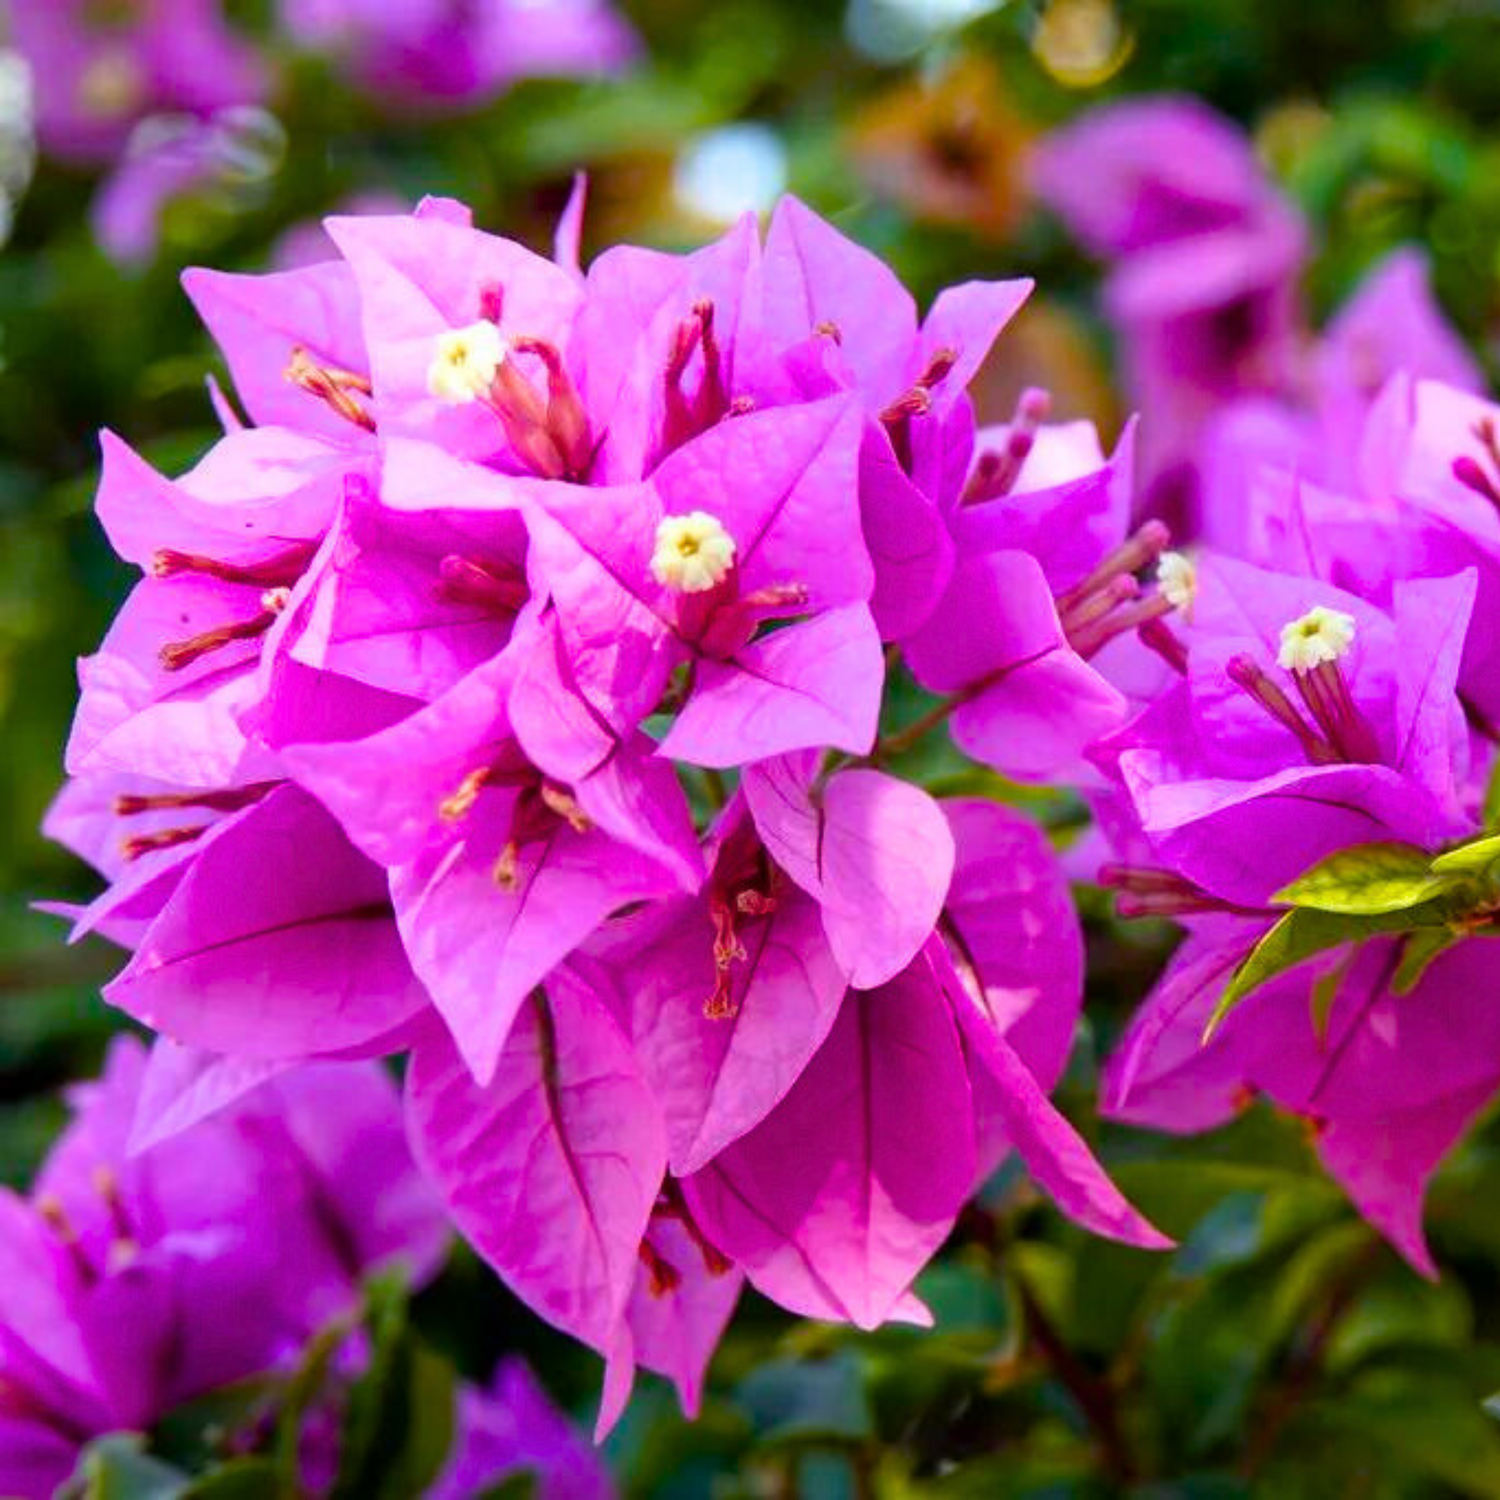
(465, 363)
(693, 552)
(1177, 579)
(1321, 635)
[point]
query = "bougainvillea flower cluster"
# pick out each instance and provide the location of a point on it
(146, 1269)
(1305, 787)
(505, 688)
(523, 684)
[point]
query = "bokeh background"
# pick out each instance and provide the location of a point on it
(1282, 1350)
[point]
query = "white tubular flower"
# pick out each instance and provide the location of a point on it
(465, 363)
(1321, 635)
(1177, 579)
(693, 553)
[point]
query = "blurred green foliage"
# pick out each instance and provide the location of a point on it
(1282, 1350)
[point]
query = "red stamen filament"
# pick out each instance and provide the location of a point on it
(142, 844)
(1137, 551)
(1145, 892)
(524, 417)
(223, 799)
(461, 580)
(506, 872)
(1093, 638)
(179, 654)
(1326, 693)
(996, 472)
(662, 1276)
(332, 386)
(1248, 676)
(1471, 473)
(559, 800)
(566, 421)
(672, 1205)
(278, 571)
(1156, 635)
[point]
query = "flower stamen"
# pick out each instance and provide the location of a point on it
(996, 470)
(280, 570)
(465, 362)
(176, 655)
(333, 386)
(491, 586)
(693, 552)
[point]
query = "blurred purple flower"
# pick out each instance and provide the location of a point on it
(458, 52)
(138, 1280)
(101, 68)
(510, 1427)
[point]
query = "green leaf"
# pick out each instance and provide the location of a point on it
(398, 1426)
(302, 1391)
(1325, 991)
(1368, 880)
(522, 1485)
(1302, 934)
(1491, 811)
(1417, 952)
(240, 1479)
(117, 1468)
(1470, 858)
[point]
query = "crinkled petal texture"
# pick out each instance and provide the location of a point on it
(1014, 936)
(673, 1329)
(552, 1169)
(1029, 705)
(419, 276)
(278, 941)
(837, 1200)
(875, 853)
(481, 949)
(1055, 1154)
(718, 1076)
(258, 321)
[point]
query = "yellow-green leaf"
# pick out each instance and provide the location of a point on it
(1417, 952)
(1304, 932)
(1468, 859)
(1368, 880)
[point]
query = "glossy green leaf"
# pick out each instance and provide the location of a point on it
(1303, 934)
(1470, 858)
(1368, 880)
(1417, 952)
(1325, 992)
(118, 1468)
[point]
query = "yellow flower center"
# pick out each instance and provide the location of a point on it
(693, 553)
(465, 363)
(1321, 635)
